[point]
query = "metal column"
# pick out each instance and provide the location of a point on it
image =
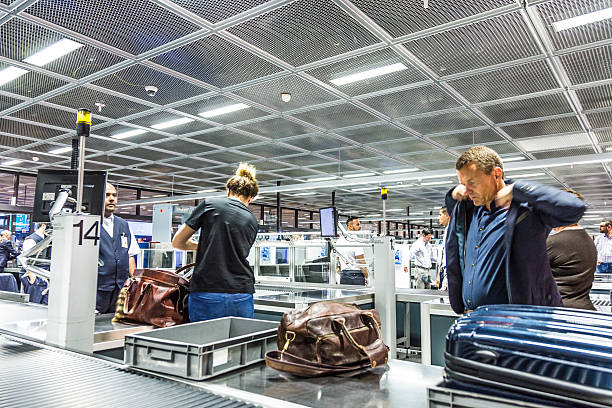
(384, 289)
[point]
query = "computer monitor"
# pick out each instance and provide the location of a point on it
(328, 221)
(50, 182)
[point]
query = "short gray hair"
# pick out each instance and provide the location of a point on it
(485, 158)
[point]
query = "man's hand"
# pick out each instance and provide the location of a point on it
(504, 196)
(459, 193)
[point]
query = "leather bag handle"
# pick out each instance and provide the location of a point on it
(182, 268)
(293, 364)
(376, 352)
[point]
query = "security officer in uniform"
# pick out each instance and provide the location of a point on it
(117, 249)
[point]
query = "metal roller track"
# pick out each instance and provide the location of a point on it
(41, 377)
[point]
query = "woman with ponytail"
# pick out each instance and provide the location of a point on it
(223, 282)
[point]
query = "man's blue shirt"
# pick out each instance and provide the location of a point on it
(484, 272)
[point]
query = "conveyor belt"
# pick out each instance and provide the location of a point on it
(31, 376)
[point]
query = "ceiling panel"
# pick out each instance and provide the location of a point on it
(305, 31)
(426, 125)
(85, 98)
(412, 101)
(401, 17)
(184, 146)
(369, 61)
(468, 138)
(276, 128)
(336, 117)
(51, 116)
(303, 93)
(318, 142)
(589, 65)
(601, 119)
(218, 10)
(216, 61)
(557, 10)
(127, 26)
(24, 129)
(163, 117)
(507, 82)
(544, 127)
(403, 146)
(32, 84)
(471, 46)
(218, 102)
(374, 133)
(541, 106)
(225, 138)
(270, 150)
(114, 130)
(596, 97)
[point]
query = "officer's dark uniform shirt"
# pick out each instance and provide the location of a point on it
(227, 232)
(115, 268)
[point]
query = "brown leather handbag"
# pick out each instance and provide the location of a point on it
(328, 338)
(154, 297)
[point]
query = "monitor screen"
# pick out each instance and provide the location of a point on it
(328, 218)
(49, 183)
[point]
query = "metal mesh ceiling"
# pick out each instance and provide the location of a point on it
(472, 72)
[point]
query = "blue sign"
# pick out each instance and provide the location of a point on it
(398, 257)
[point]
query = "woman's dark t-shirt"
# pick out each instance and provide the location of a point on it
(573, 259)
(228, 230)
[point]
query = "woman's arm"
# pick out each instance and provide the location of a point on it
(182, 239)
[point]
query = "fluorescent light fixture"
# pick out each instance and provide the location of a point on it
(305, 194)
(322, 178)
(172, 123)
(12, 162)
(61, 150)
(365, 189)
(208, 191)
(417, 213)
(358, 175)
(526, 175)
(370, 73)
(511, 159)
(223, 110)
(400, 170)
(129, 133)
(435, 183)
(538, 144)
(395, 209)
(53, 52)
(583, 19)
(10, 73)
(608, 149)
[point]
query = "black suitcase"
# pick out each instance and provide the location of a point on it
(559, 355)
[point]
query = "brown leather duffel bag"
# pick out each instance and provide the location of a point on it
(328, 338)
(154, 296)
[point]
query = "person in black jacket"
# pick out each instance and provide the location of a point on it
(573, 259)
(7, 252)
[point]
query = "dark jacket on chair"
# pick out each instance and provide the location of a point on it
(534, 211)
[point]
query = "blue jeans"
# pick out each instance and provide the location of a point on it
(604, 267)
(208, 305)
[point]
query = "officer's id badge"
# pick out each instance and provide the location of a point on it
(124, 241)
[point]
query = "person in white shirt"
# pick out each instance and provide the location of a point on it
(118, 247)
(441, 281)
(350, 258)
(603, 243)
(421, 251)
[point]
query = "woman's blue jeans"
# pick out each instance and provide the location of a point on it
(208, 305)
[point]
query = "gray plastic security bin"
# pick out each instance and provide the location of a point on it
(201, 350)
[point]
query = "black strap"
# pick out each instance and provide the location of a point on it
(299, 366)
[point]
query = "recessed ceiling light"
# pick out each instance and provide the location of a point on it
(305, 194)
(53, 52)
(35, 158)
(395, 209)
(365, 189)
(223, 110)
(526, 175)
(208, 191)
(172, 123)
(358, 175)
(61, 150)
(322, 178)
(400, 170)
(583, 19)
(435, 183)
(12, 162)
(511, 159)
(129, 133)
(538, 144)
(10, 73)
(609, 149)
(370, 73)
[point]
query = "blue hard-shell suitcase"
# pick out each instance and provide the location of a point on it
(556, 354)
